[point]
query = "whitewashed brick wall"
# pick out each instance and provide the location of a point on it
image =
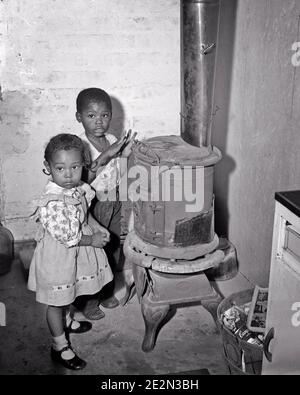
(50, 50)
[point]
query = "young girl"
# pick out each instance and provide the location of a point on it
(69, 259)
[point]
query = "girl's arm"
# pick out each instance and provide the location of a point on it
(86, 240)
(60, 220)
(98, 240)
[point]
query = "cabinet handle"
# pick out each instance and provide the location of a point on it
(268, 338)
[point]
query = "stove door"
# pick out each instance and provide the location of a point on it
(149, 221)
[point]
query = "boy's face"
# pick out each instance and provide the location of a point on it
(95, 118)
(65, 168)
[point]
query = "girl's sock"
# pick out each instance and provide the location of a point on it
(59, 342)
(70, 322)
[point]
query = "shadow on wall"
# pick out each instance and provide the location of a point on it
(222, 92)
(118, 117)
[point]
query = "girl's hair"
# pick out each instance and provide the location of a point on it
(66, 141)
(92, 95)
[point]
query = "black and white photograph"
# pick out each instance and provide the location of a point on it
(149, 189)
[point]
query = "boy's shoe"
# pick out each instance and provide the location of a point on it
(75, 363)
(94, 313)
(110, 303)
(92, 310)
(84, 326)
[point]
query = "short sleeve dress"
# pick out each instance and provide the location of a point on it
(60, 269)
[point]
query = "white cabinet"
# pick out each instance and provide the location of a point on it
(282, 341)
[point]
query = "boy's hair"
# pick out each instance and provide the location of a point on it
(66, 141)
(92, 95)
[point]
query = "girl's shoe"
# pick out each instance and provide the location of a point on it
(84, 326)
(75, 363)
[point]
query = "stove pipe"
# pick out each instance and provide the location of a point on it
(199, 31)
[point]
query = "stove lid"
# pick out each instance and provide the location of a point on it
(172, 151)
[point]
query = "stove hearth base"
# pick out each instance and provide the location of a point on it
(162, 283)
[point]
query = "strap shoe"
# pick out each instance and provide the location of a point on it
(84, 326)
(75, 363)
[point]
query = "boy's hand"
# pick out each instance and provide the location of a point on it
(130, 141)
(123, 145)
(116, 147)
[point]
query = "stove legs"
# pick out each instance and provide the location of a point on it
(153, 317)
(157, 292)
(211, 306)
(130, 290)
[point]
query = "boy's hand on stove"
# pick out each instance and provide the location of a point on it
(129, 143)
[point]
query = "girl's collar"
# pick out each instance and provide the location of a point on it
(52, 187)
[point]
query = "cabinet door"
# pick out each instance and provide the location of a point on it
(284, 317)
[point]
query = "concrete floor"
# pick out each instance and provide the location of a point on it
(187, 342)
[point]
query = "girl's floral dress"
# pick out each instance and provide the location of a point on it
(60, 269)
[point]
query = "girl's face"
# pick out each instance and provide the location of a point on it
(66, 168)
(95, 118)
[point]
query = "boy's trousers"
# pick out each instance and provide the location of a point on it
(108, 214)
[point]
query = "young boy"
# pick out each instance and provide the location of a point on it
(94, 112)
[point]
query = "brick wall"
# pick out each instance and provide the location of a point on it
(50, 50)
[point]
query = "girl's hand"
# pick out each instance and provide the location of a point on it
(96, 227)
(105, 233)
(100, 239)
